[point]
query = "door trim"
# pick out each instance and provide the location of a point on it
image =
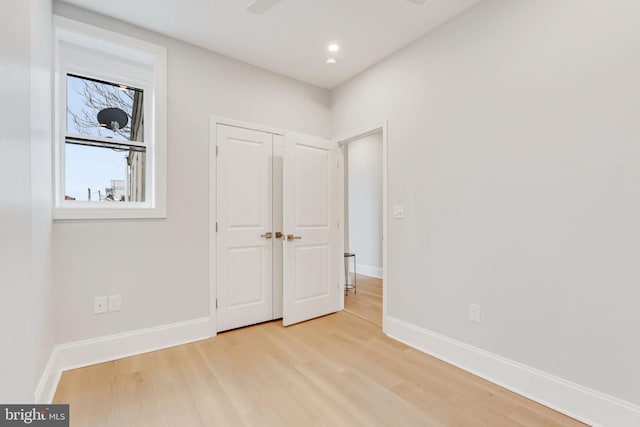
(341, 141)
(214, 121)
(246, 125)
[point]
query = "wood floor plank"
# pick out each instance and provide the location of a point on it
(367, 302)
(338, 370)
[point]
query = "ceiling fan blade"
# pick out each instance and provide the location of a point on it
(261, 6)
(417, 1)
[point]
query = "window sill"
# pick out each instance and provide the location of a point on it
(101, 212)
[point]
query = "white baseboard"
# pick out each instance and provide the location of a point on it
(48, 381)
(584, 404)
(367, 270)
(103, 349)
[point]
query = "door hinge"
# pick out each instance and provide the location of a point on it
(216, 302)
(216, 150)
(216, 227)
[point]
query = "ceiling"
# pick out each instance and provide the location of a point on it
(292, 37)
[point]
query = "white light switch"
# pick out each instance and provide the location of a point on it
(474, 313)
(398, 211)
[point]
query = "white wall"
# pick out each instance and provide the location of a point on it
(364, 170)
(162, 268)
(45, 330)
(26, 323)
(514, 146)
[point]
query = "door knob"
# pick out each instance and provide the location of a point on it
(267, 235)
(291, 237)
(279, 235)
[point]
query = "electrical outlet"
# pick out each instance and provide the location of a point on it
(474, 313)
(115, 303)
(99, 305)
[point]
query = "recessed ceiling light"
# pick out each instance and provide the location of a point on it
(333, 47)
(331, 61)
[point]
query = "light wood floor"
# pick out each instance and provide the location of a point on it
(367, 302)
(339, 370)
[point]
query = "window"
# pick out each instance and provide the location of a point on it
(104, 143)
(110, 118)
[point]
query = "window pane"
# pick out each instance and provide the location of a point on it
(108, 110)
(101, 174)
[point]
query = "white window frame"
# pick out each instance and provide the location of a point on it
(116, 47)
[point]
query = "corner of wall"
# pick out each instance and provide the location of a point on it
(79, 354)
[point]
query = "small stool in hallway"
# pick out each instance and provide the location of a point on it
(347, 286)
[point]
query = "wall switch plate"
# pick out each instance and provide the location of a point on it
(398, 211)
(115, 303)
(474, 313)
(99, 305)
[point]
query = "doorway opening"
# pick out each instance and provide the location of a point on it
(364, 201)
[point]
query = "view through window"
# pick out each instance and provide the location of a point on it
(105, 153)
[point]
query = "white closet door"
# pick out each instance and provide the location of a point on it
(311, 251)
(245, 250)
